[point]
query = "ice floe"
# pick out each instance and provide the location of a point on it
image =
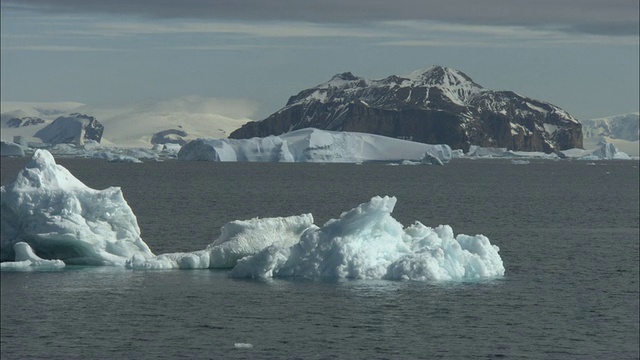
(50, 218)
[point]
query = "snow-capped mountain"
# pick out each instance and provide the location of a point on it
(437, 105)
(621, 130)
(44, 110)
(134, 125)
(183, 119)
(623, 127)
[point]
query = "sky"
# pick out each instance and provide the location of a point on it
(581, 55)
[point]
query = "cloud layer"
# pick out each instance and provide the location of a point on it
(604, 17)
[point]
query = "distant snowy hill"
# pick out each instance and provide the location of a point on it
(437, 105)
(45, 110)
(621, 130)
(25, 119)
(197, 117)
(134, 125)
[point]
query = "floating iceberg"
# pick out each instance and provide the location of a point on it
(604, 151)
(313, 145)
(25, 259)
(11, 149)
(238, 239)
(367, 243)
(364, 243)
(487, 152)
(62, 218)
(111, 157)
(48, 212)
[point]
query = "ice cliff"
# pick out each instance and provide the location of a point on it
(62, 218)
(313, 145)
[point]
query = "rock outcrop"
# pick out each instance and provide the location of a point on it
(437, 105)
(71, 129)
(17, 122)
(171, 136)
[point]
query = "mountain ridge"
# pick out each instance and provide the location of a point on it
(623, 130)
(432, 105)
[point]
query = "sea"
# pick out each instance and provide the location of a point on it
(568, 233)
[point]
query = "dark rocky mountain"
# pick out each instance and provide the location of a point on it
(437, 105)
(17, 122)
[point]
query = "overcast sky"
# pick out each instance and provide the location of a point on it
(581, 55)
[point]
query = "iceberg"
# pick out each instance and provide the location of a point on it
(25, 259)
(50, 218)
(314, 145)
(111, 157)
(11, 149)
(61, 218)
(237, 240)
(364, 243)
(488, 153)
(367, 243)
(604, 151)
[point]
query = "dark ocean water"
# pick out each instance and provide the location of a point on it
(568, 233)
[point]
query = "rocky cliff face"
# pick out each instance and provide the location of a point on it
(437, 105)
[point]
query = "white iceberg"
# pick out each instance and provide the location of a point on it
(484, 152)
(364, 243)
(25, 259)
(8, 148)
(313, 145)
(49, 218)
(367, 243)
(62, 218)
(114, 157)
(488, 153)
(237, 240)
(604, 151)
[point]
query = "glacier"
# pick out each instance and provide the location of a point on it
(313, 145)
(621, 130)
(51, 219)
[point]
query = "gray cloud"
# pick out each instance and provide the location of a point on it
(604, 17)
